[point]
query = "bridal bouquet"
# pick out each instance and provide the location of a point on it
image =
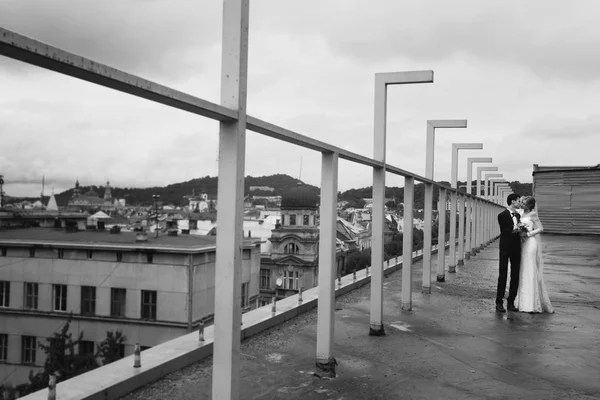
(523, 229)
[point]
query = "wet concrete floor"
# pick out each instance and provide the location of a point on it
(452, 345)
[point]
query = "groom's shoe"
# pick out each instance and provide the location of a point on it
(511, 307)
(500, 308)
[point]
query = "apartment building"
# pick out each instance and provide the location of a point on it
(153, 289)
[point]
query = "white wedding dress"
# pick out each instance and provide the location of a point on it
(532, 295)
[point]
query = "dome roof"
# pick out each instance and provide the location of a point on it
(300, 196)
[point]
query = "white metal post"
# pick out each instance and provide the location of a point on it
(327, 265)
(232, 155)
(407, 243)
(453, 197)
(482, 220)
(382, 80)
(432, 125)
(490, 222)
(441, 265)
(472, 204)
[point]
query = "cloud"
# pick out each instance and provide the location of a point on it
(523, 74)
(152, 38)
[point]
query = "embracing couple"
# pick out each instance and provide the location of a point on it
(520, 243)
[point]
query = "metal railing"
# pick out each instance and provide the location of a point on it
(234, 122)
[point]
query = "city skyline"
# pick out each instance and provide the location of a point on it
(523, 76)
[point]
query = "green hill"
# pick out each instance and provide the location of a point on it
(281, 183)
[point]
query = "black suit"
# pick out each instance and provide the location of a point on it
(510, 249)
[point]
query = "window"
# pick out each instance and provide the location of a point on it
(265, 278)
(117, 302)
(246, 255)
(290, 280)
(3, 250)
(32, 252)
(119, 256)
(88, 300)
(305, 219)
(245, 300)
(4, 294)
(148, 304)
(28, 346)
(59, 293)
(89, 254)
(3, 347)
(31, 296)
(291, 248)
(121, 351)
(61, 253)
(86, 348)
(149, 258)
(293, 219)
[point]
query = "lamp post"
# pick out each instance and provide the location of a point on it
(382, 80)
(500, 187)
(494, 182)
(156, 197)
(432, 125)
(472, 212)
(489, 219)
(1, 191)
(453, 197)
(481, 213)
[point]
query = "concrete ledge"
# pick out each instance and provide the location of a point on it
(120, 378)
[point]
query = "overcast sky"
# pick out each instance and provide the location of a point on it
(525, 74)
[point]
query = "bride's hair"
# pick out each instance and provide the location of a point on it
(529, 202)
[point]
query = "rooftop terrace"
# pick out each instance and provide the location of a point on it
(453, 345)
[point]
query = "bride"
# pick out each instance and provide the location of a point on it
(532, 294)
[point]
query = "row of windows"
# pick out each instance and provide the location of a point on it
(118, 298)
(293, 218)
(290, 279)
(89, 254)
(29, 347)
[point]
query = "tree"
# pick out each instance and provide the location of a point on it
(109, 349)
(357, 260)
(391, 205)
(62, 359)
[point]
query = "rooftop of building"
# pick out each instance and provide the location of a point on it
(300, 197)
(104, 239)
(452, 345)
(562, 168)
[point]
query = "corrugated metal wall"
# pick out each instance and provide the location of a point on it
(568, 201)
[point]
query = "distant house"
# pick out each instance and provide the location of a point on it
(568, 198)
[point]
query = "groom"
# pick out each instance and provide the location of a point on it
(510, 250)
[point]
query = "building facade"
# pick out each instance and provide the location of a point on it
(292, 262)
(568, 198)
(152, 289)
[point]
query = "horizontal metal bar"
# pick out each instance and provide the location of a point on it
(31, 51)
(448, 123)
(466, 146)
(404, 77)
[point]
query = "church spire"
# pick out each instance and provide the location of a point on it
(107, 192)
(76, 191)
